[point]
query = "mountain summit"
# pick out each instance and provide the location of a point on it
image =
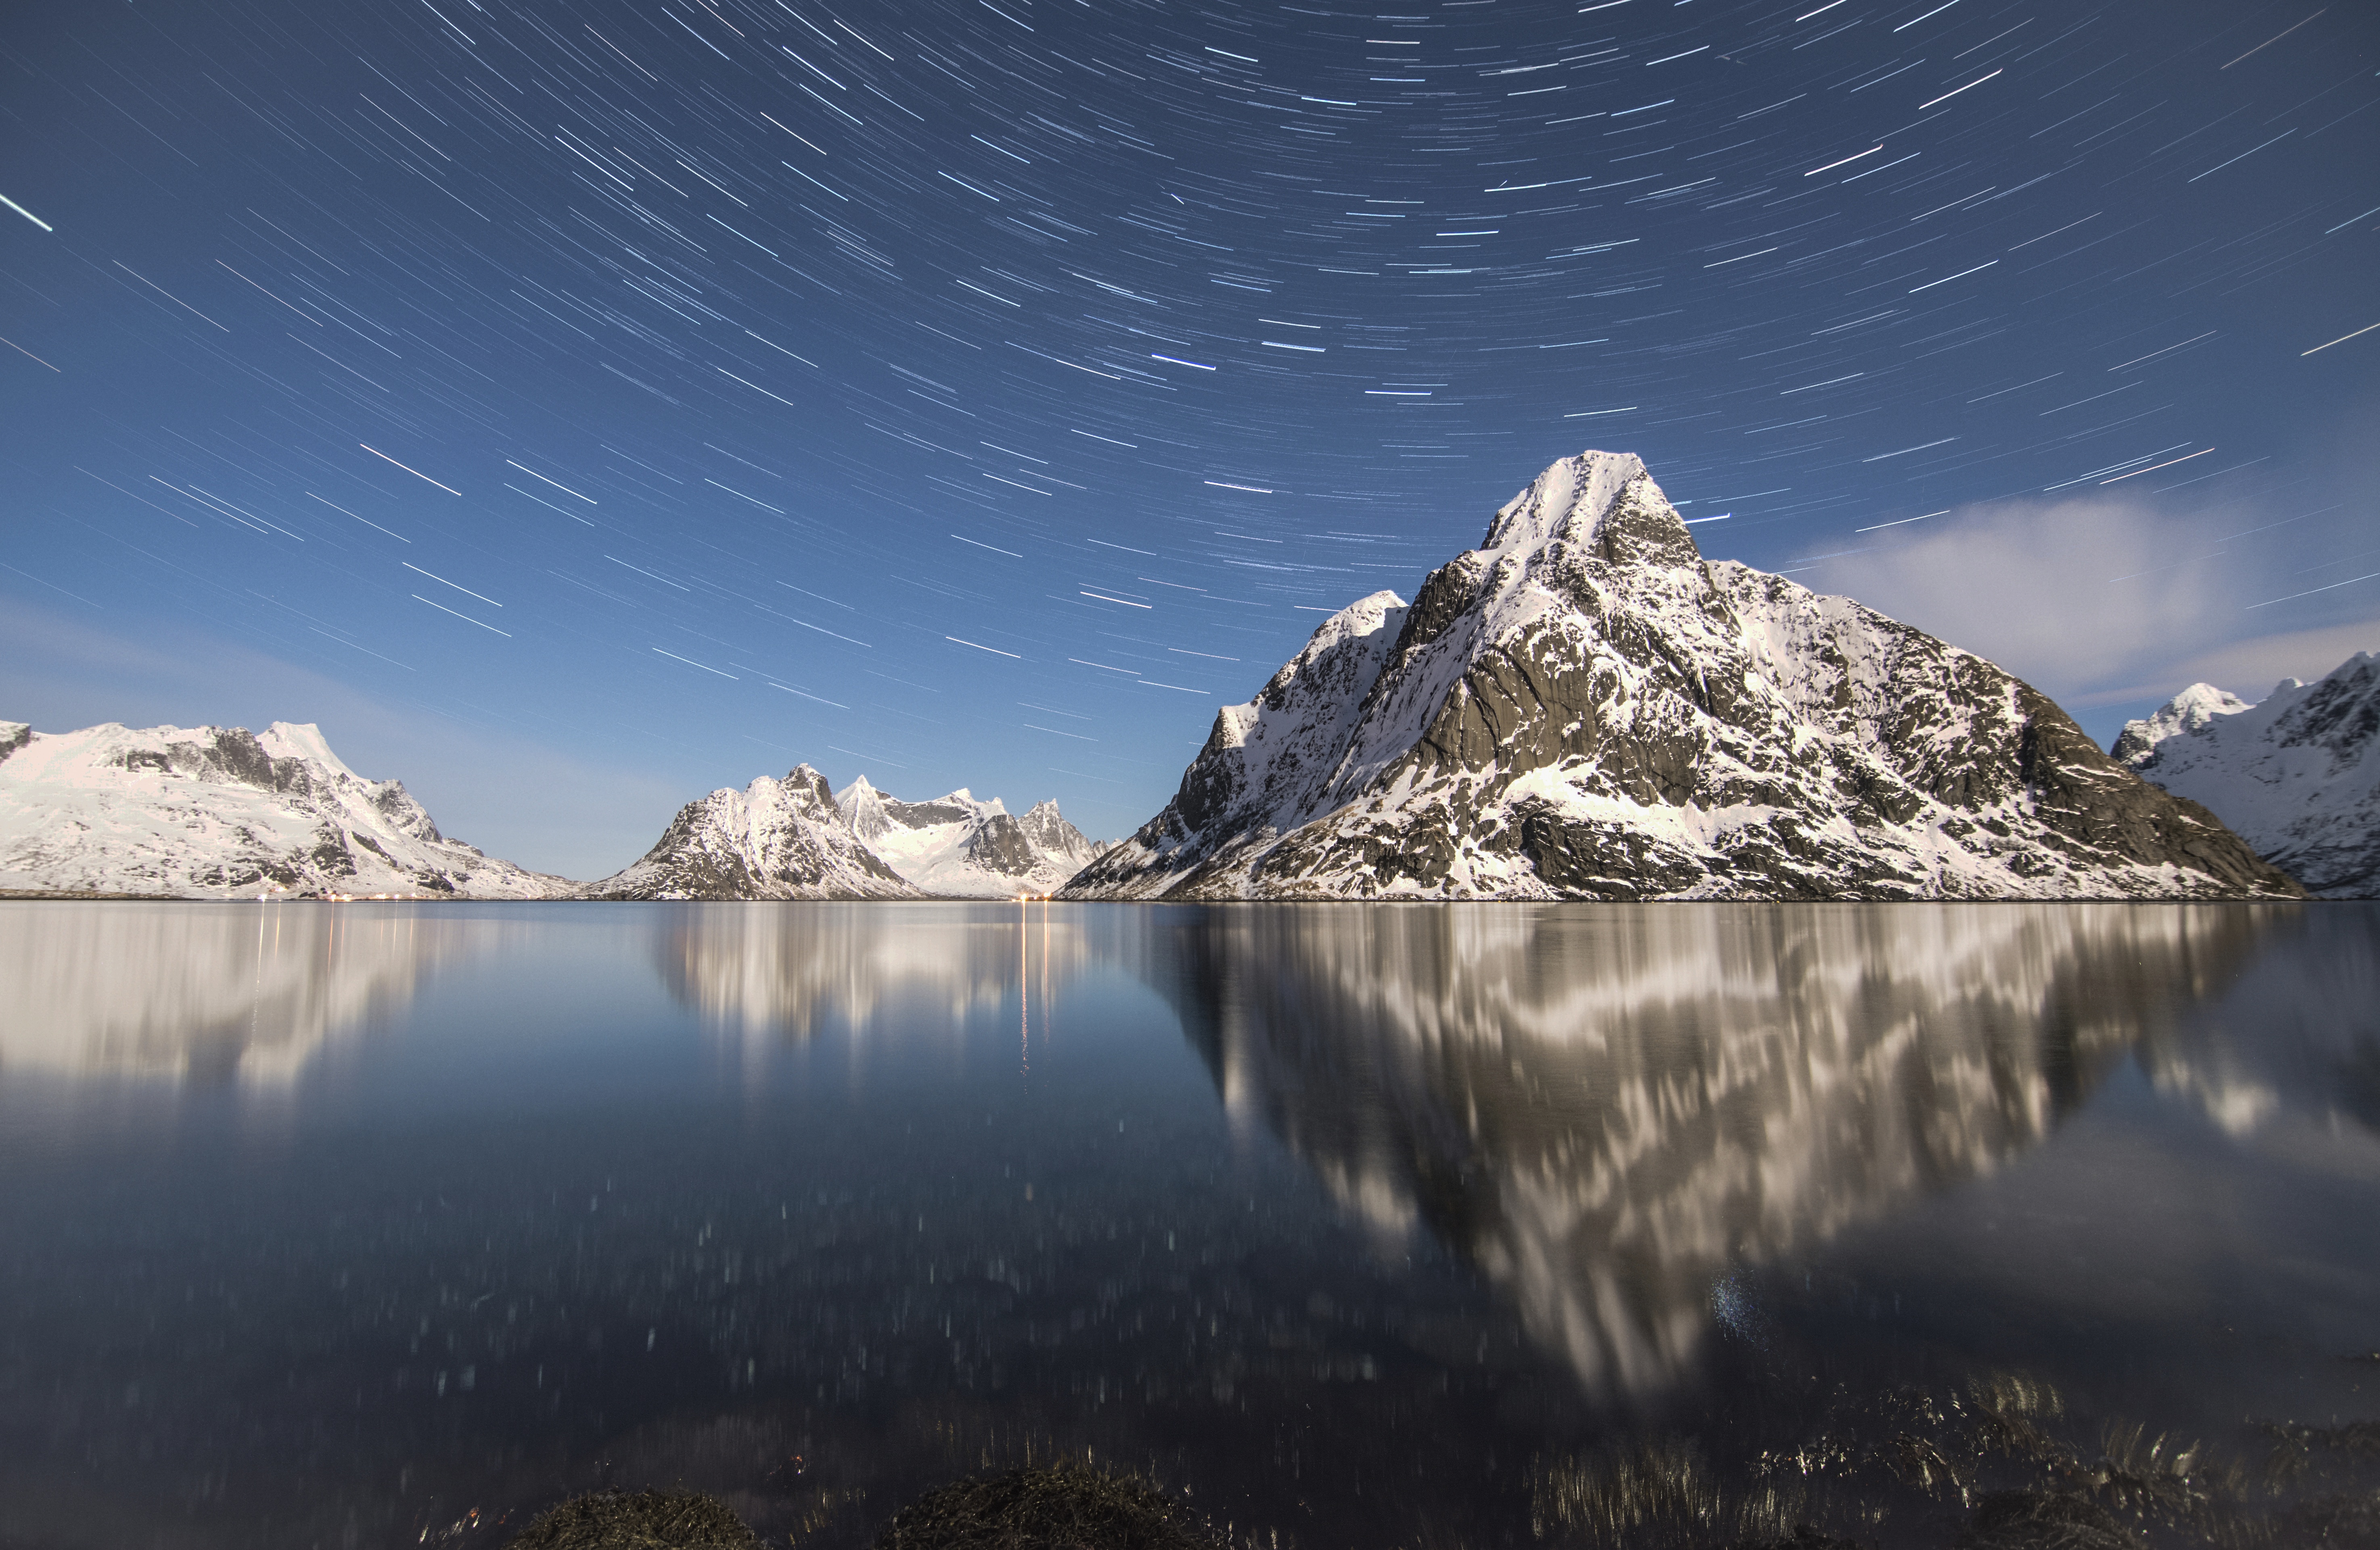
(2297, 773)
(774, 839)
(1583, 707)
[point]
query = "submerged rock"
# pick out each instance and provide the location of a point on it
(2044, 1520)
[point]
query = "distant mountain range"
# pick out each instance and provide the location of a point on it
(218, 812)
(957, 845)
(1580, 708)
(2297, 773)
(795, 839)
(1583, 707)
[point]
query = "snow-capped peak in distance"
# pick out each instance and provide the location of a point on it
(1582, 707)
(958, 847)
(2297, 773)
(775, 839)
(219, 813)
(2186, 711)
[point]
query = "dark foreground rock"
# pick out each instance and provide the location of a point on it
(2044, 1520)
(641, 1520)
(1049, 1510)
(1059, 1508)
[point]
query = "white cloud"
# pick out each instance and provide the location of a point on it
(2114, 598)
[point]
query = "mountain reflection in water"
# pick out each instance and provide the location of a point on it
(206, 994)
(768, 973)
(1605, 1108)
(1383, 1224)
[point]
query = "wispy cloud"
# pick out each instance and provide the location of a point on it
(2112, 598)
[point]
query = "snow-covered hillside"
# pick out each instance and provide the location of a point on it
(961, 848)
(2297, 773)
(218, 812)
(1583, 708)
(774, 839)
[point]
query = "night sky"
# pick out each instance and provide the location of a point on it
(575, 408)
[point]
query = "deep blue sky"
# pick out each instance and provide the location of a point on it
(573, 407)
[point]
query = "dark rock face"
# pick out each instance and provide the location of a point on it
(771, 840)
(1000, 844)
(1583, 708)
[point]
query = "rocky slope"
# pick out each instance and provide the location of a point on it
(1582, 707)
(775, 839)
(2297, 773)
(961, 848)
(218, 811)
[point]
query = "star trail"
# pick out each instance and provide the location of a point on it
(976, 393)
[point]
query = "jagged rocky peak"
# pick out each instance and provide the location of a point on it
(1583, 707)
(2297, 773)
(775, 839)
(205, 811)
(1604, 501)
(1047, 830)
(957, 845)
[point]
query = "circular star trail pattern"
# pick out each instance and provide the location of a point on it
(985, 392)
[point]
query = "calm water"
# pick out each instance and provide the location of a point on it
(1370, 1225)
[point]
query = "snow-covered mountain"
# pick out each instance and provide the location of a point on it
(2297, 773)
(217, 812)
(1584, 708)
(773, 839)
(961, 848)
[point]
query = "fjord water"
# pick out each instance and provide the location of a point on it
(1367, 1224)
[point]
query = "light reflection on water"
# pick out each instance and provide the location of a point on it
(1322, 1211)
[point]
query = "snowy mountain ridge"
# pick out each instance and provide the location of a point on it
(796, 839)
(219, 813)
(1582, 707)
(2297, 773)
(957, 846)
(775, 839)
